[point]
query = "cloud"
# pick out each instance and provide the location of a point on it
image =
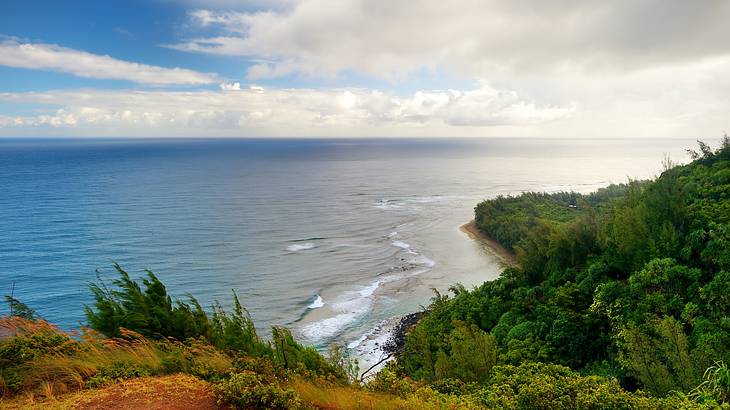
(678, 101)
(479, 38)
(39, 56)
(225, 86)
(291, 112)
(239, 5)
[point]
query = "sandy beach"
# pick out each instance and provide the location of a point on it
(507, 257)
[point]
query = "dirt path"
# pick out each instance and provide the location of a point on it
(173, 392)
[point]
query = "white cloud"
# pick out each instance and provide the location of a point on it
(686, 100)
(51, 57)
(241, 5)
(290, 112)
(480, 38)
(225, 86)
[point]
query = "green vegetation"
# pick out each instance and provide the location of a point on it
(137, 330)
(626, 286)
(619, 301)
(251, 390)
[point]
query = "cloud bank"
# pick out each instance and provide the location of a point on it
(480, 38)
(237, 111)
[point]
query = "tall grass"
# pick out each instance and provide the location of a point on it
(37, 358)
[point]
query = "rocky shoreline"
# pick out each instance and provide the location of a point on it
(397, 340)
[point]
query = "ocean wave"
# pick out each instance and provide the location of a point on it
(329, 327)
(411, 202)
(317, 303)
(349, 307)
(368, 348)
(298, 247)
(425, 261)
(417, 257)
(389, 205)
(370, 289)
(314, 238)
(356, 343)
(401, 244)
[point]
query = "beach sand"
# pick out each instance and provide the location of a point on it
(506, 256)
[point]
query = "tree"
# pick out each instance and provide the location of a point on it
(20, 309)
(659, 357)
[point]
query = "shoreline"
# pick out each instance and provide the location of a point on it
(396, 335)
(505, 256)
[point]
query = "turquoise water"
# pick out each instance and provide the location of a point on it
(329, 237)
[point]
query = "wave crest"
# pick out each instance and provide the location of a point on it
(300, 247)
(317, 303)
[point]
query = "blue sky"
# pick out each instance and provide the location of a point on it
(137, 31)
(128, 30)
(364, 68)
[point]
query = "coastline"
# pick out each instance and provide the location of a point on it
(507, 257)
(396, 334)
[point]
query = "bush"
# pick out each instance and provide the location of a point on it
(32, 340)
(115, 372)
(250, 390)
(388, 380)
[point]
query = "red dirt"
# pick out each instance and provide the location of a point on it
(175, 392)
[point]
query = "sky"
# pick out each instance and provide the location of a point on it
(365, 68)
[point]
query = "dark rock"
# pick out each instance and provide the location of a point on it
(397, 340)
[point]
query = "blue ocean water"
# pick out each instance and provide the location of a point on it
(332, 238)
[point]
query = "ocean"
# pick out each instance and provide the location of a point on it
(333, 238)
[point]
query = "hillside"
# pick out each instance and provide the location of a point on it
(629, 283)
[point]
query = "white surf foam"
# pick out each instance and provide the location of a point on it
(349, 307)
(401, 244)
(389, 205)
(425, 261)
(329, 327)
(356, 343)
(369, 347)
(300, 247)
(370, 289)
(316, 303)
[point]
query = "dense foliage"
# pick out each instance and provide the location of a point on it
(629, 282)
(151, 312)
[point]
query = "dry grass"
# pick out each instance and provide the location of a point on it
(71, 362)
(327, 396)
(68, 371)
(58, 372)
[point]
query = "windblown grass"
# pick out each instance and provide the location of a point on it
(326, 396)
(38, 359)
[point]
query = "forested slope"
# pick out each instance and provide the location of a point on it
(630, 283)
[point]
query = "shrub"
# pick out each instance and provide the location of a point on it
(388, 381)
(32, 340)
(115, 372)
(250, 390)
